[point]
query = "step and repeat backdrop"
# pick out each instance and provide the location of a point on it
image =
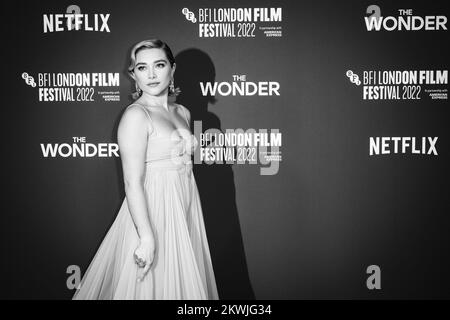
(322, 163)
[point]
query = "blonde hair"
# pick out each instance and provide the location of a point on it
(150, 44)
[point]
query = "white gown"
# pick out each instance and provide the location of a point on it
(182, 267)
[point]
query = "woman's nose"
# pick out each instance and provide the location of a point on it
(151, 73)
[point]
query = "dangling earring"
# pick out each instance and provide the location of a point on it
(138, 90)
(171, 87)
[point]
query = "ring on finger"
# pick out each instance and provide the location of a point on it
(140, 262)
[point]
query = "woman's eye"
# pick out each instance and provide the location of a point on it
(161, 65)
(141, 68)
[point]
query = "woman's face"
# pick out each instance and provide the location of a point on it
(152, 71)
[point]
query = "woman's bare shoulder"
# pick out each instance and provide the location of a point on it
(134, 106)
(182, 110)
(134, 114)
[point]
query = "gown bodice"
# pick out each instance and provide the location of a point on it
(165, 151)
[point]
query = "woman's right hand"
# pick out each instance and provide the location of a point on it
(144, 255)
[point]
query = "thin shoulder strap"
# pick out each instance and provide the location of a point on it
(143, 108)
(146, 112)
(185, 116)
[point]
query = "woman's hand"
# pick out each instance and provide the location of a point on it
(143, 256)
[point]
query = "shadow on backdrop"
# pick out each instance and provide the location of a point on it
(215, 182)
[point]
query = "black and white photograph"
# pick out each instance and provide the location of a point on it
(246, 151)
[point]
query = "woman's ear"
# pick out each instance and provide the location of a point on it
(173, 69)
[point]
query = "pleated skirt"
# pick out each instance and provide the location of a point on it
(182, 267)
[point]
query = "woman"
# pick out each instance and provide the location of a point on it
(157, 246)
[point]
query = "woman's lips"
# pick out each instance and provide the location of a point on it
(153, 84)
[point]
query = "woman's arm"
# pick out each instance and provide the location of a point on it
(185, 113)
(132, 138)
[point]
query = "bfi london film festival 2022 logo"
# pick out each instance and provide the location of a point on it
(70, 86)
(411, 85)
(236, 22)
